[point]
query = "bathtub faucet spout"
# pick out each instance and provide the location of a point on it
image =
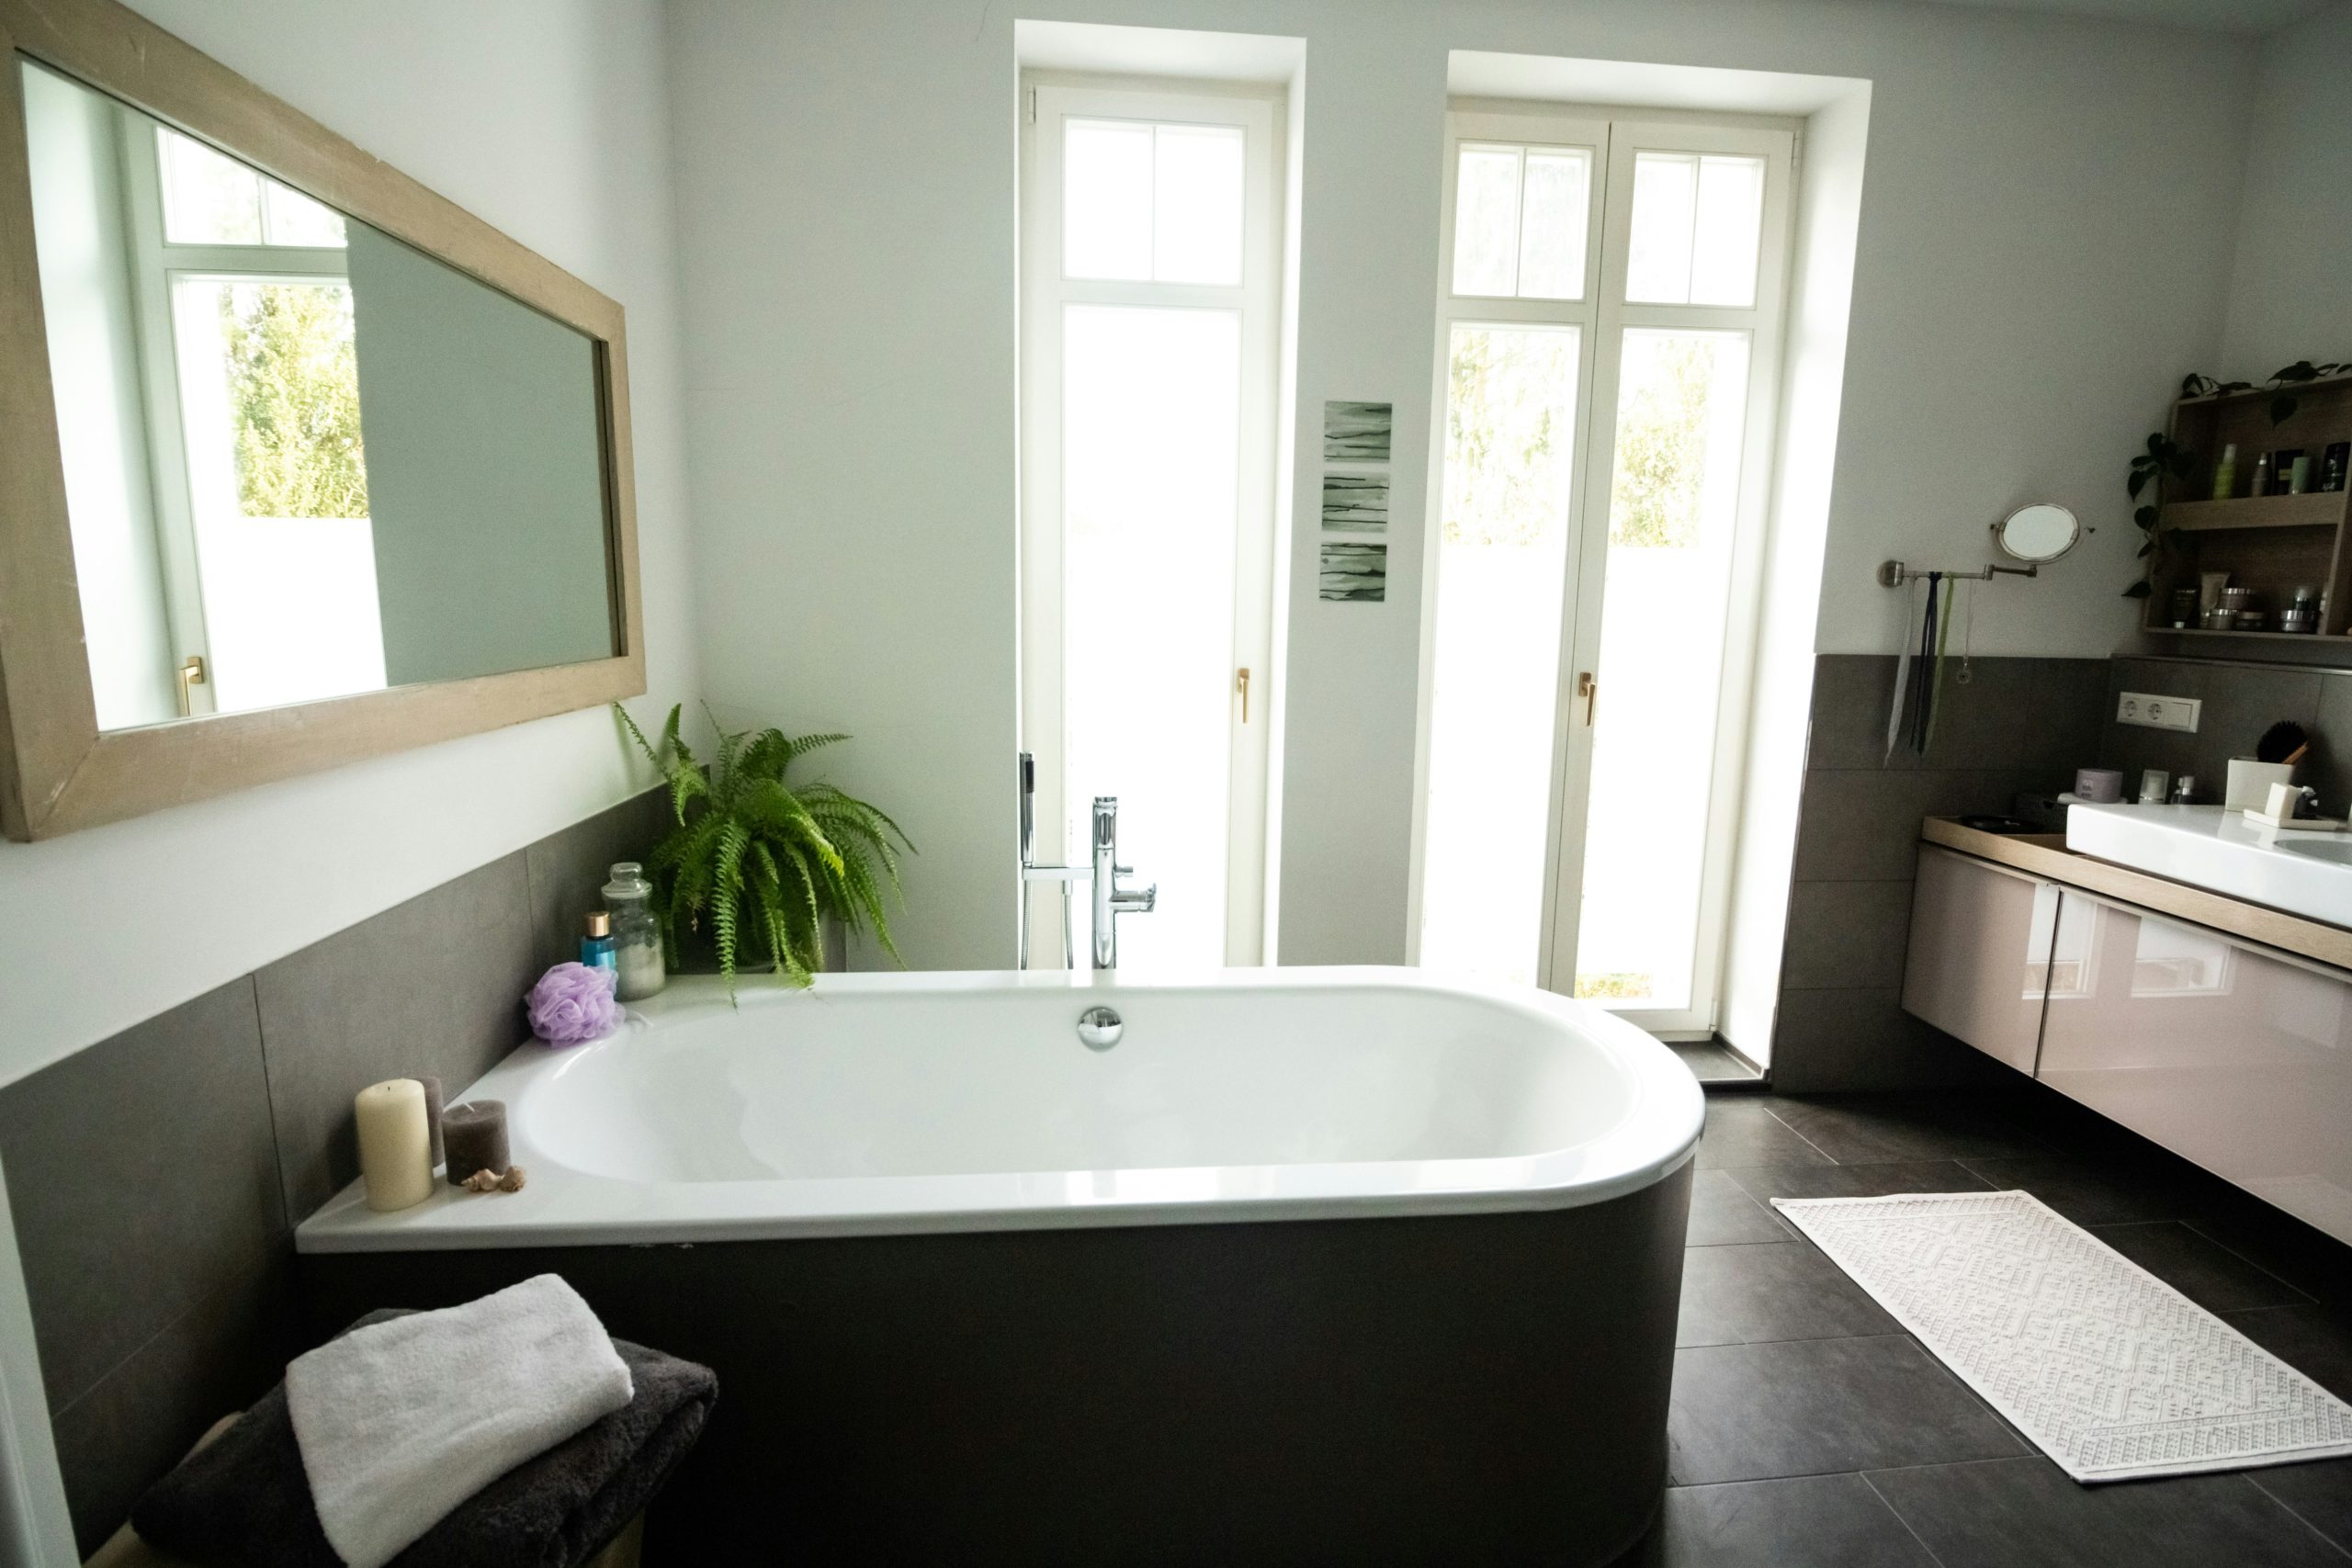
(1110, 901)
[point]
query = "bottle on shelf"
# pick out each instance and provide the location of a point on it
(2290, 471)
(2225, 473)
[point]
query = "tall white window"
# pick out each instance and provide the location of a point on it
(1149, 320)
(1610, 339)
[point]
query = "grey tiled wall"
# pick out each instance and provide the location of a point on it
(2240, 701)
(155, 1178)
(2017, 724)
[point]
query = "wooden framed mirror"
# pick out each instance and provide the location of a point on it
(304, 464)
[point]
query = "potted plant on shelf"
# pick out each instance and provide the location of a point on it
(756, 865)
(2164, 460)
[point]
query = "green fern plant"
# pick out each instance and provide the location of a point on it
(759, 862)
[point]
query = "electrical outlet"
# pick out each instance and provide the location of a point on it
(2157, 713)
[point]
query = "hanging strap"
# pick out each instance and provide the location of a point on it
(1901, 687)
(1920, 695)
(1936, 685)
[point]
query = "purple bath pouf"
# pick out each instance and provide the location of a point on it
(574, 1004)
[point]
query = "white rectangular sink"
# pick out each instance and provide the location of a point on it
(2217, 848)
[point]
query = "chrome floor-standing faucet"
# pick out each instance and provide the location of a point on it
(1110, 901)
(1031, 873)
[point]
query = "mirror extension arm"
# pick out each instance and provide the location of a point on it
(1896, 573)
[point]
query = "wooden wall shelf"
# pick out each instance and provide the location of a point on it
(2272, 544)
(2322, 510)
(2325, 638)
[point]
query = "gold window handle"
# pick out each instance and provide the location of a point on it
(1590, 690)
(1241, 684)
(191, 673)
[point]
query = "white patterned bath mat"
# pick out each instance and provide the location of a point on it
(2110, 1370)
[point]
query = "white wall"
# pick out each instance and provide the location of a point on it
(547, 117)
(2042, 252)
(2288, 299)
(845, 205)
(1829, 204)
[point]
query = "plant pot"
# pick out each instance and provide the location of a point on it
(699, 954)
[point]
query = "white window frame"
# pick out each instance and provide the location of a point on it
(1560, 130)
(1602, 317)
(1047, 101)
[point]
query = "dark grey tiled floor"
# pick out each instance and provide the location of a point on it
(1808, 1428)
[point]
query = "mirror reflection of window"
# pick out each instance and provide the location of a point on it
(266, 385)
(302, 459)
(2174, 961)
(2061, 929)
(201, 323)
(269, 409)
(209, 198)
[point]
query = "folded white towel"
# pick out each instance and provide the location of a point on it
(401, 1422)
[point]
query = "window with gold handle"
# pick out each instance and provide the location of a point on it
(191, 673)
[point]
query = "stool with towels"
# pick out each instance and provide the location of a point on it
(509, 1431)
(124, 1549)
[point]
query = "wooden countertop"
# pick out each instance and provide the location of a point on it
(2046, 855)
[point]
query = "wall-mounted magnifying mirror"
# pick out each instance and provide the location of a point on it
(2038, 532)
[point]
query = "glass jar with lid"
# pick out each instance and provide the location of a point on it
(637, 935)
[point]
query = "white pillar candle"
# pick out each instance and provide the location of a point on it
(395, 1143)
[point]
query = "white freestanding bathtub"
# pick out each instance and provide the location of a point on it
(879, 1104)
(1311, 1265)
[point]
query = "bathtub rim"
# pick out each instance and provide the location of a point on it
(563, 1207)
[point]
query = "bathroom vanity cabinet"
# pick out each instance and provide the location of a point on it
(2231, 1052)
(1980, 953)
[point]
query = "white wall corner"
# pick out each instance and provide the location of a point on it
(36, 1530)
(1830, 206)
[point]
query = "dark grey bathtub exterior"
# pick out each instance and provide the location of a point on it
(1449, 1390)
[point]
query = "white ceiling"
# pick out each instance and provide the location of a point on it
(2245, 17)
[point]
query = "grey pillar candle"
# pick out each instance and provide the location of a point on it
(432, 1115)
(475, 1136)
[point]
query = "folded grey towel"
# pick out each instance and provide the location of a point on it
(244, 1499)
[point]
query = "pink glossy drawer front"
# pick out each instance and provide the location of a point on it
(2236, 1058)
(1979, 951)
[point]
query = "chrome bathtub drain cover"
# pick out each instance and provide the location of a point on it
(1100, 1028)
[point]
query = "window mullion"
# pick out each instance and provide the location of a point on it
(273, 261)
(1534, 312)
(1518, 222)
(1199, 295)
(1695, 318)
